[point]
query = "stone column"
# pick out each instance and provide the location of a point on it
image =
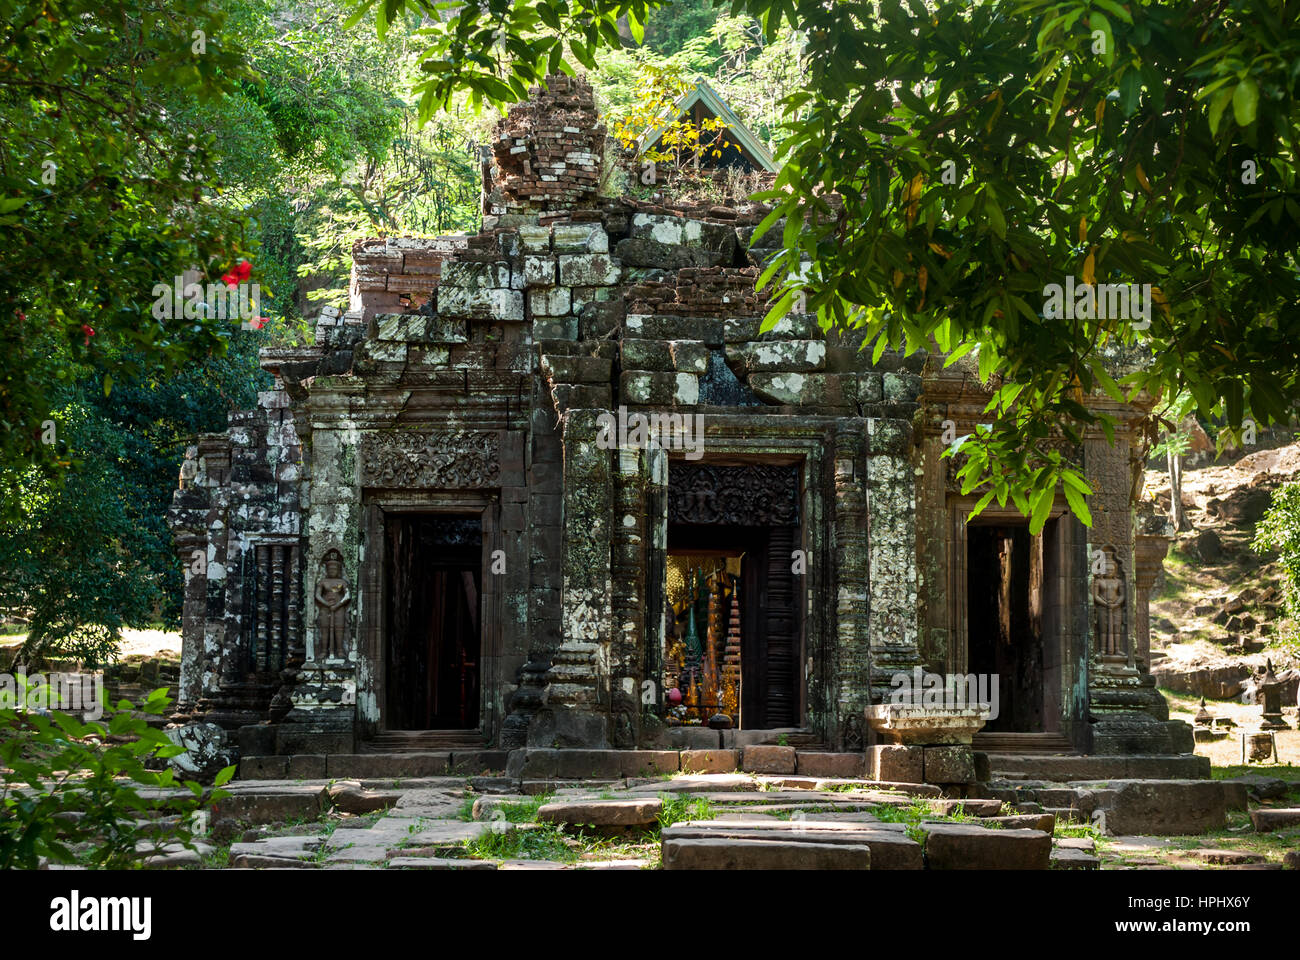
(628, 577)
(577, 698)
(851, 607)
(890, 487)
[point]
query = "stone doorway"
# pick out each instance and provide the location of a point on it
(736, 529)
(433, 575)
(1013, 621)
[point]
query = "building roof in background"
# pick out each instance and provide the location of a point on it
(701, 92)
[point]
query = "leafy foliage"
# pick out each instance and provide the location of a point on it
(101, 197)
(1279, 529)
(69, 790)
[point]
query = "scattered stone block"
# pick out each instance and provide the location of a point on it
(1266, 820)
(1068, 858)
(1165, 807)
(1029, 821)
(1262, 787)
(1225, 858)
(767, 758)
(439, 863)
(250, 861)
(747, 854)
(352, 798)
(602, 813)
(962, 846)
(891, 849)
(272, 804)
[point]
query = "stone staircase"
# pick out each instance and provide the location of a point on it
(425, 741)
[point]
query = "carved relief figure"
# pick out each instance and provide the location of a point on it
(332, 599)
(1108, 596)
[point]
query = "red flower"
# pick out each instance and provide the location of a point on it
(244, 270)
(89, 331)
(257, 323)
(230, 279)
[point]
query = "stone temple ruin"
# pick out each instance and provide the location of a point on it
(549, 486)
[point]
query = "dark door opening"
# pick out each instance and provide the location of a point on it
(434, 579)
(1009, 621)
(759, 613)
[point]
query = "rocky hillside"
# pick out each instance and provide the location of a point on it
(1217, 613)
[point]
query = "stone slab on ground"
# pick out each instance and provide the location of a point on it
(250, 861)
(1166, 807)
(1222, 858)
(890, 849)
(294, 848)
(485, 806)
(430, 804)
(1266, 820)
(700, 853)
(1261, 787)
(439, 863)
(351, 797)
(1027, 821)
(701, 783)
(973, 808)
(258, 803)
(963, 846)
(1069, 858)
(603, 813)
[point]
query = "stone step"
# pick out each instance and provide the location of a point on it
(891, 849)
(1062, 768)
(403, 764)
(968, 846)
(730, 853)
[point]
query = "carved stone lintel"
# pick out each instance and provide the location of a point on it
(400, 460)
(755, 495)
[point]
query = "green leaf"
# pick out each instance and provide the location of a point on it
(1043, 506)
(1078, 505)
(1245, 100)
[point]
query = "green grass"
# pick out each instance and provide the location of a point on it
(544, 842)
(1282, 771)
(680, 809)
